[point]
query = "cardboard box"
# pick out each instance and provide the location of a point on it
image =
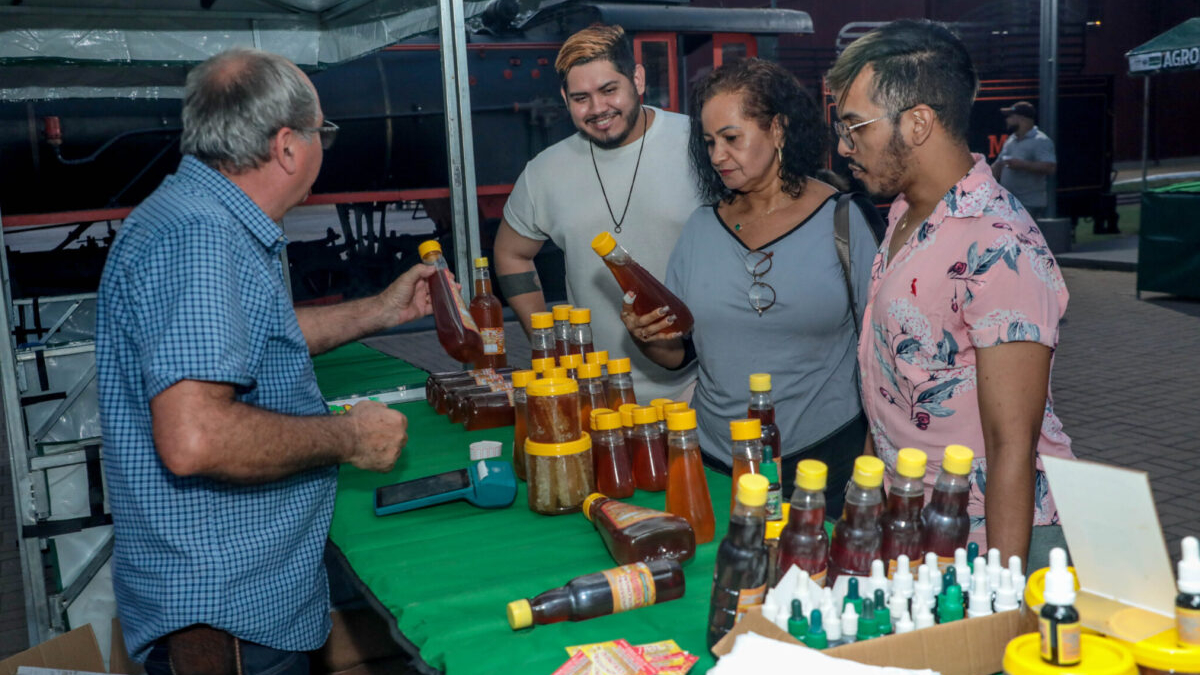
(76, 651)
(979, 644)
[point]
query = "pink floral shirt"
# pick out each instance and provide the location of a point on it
(976, 274)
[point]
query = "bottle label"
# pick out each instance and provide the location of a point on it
(484, 376)
(632, 586)
(749, 597)
(468, 322)
(774, 504)
(623, 515)
(493, 340)
(1187, 622)
(1068, 637)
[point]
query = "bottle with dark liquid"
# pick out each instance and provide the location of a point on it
(747, 450)
(620, 383)
(858, 535)
(804, 542)
(649, 450)
(637, 534)
(490, 411)
(762, 408)
(591, 392)
(499, 395)
(614, 468)
(687, 485)
(541, 338)
(453, 394)
(437, 383)
(489, 318)
(616, 590)
(944, 521)
(740, 580)
(649, 293)
(579, 333)
(456, 330)
(902, 516)
(562, 328)
(520, 419)
(1058, 622)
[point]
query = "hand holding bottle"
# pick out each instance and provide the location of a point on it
(653, 326)
(407, 297)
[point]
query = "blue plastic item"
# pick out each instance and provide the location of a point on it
(488, 483)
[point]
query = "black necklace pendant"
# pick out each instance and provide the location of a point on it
(617, 228)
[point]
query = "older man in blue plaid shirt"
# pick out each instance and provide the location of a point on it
(220, 460)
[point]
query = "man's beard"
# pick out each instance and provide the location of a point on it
(1013, 126)
(632, 117)
(889, 178)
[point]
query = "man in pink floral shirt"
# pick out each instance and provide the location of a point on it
(965, 303)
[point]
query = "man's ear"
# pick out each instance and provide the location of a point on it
(283, 150)
(921, 119)
(639, 79)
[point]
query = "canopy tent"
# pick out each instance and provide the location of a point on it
(1174, 51)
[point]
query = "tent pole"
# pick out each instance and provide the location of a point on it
(460, 144)
(1145, 126)
(1048, 90)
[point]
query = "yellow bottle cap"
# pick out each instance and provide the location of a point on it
(587, 371)
(626, 411)
(1161, 652)
(745, 430)
(562, 312)
(558, 373)
(587, 504)
(552, 386)
(428, 247)
(1035, 588)
(1100, 656)
(597, 357)
(775, 527)
(597, 411)
(811, 475)
(580, 315)
(645, 415)
(958, 459)
(581, 444)
(607, 421)
(760, 382)
(481, 262)
(603, 244)
(617, 366)
(868, 471)
(520, 378)
(674, 406)
(910, 463)
(541, 320)
(570, 360)
(520, 614)
(658, 404)
(539, 366)
(681, 420)
(752, 489)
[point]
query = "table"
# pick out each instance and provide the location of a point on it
(1169, 241)
(447, 573)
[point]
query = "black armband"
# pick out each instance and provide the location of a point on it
(519, 284)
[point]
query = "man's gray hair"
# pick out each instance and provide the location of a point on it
(236, 101)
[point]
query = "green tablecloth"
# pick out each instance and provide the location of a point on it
(446, 573)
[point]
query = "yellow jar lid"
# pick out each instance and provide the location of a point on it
(580, 315)
(570, 360)
(587, 370)
(557, 374)
(539, 366)
(552, 386)
(581, 444)
(868, 471)
(1160, 652)
(812, 475)
(541, 320)
(775, 527)
(428, 247)
(760, 382)
(957, 459)
(520, 614)
(681, 420)
(1100, 656)
(910, 463)
(616, 366)
(520, 378)
(752, 489)
(607, 420)
(562, 312)
(600, 357)
(626, 410)
(645, 415)
(481, 261)
(745, 430)
(603, 243)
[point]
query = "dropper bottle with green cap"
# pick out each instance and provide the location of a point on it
(950, 605)
(852, 597)
(867, 626)
(883, 615)
(797, 624)
(816, 637)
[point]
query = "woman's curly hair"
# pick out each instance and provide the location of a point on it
(767, 91)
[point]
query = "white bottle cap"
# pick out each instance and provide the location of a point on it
(849, 620)
(1018, 575)
(1006, 595)
(484, 450)
(923, 589)
(902, 580)
(922, 614)
(1189, 566)
(993, 569)
(802, 592)
(897, 605)
(1060, 583)
(903, 563)
(981, 597)
(935, 572)
(828, 607)
(782, 616)
(962, 570)
(905, 623)
(832, 624)
(878, 579)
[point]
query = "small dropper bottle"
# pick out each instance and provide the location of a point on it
(1058, 621)
(1187, 603)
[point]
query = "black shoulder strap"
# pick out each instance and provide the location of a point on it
(841, 240)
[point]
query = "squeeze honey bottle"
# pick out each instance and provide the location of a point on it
(562, 328)
(858, 535)
(687, 485)
(600, 358)
(541, 337)
(803, 542)
(649, 293)
(945, 524)
(579, 333)
(649, 450)
(902, 516)
(658, 404)
(620, 383)
(637, 534)
(762, 408)
(610, 455)
(591, 392)
(456, 330)
(747, 450)
(489, 318)
(520, 419)
(740, 579)
(615, 590)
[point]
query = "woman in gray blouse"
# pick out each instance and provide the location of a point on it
(759, 271)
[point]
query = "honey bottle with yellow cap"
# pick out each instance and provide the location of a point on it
(456, 330)
(562, 328)
(637, 534)
(740, 579)
(520, 419)
(579, 334)
(620, 383)
(489, 318)
(591, 391)
(609, 592)
(945, 525)
(541, 336)
(804, 542)
(746, 451)
(614, 468)
(858, 535)
(687, 485)
(902, 516)
(762, 408)
(649, 451)
(648, 293)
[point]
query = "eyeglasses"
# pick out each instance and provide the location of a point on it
(328, 132)
(762, 296)
(842, 130)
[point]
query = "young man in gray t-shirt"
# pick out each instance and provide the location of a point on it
(625, 172)
(1026, 159)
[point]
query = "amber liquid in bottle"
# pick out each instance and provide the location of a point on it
(770, 432)
(902, 520)
(489, 411)
(649, 452)
(591, 397)
(591, 595)
(489, 318)
(636, 534)
(858, 535)
(747, 458)
(520, 431)
(456, 330)
(803, 542)
(614, 469)
(650, 293)
(945, 523)
(687, 485)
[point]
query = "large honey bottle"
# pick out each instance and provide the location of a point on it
(944, 521)
(902, 515)
(489, 318)
(649, 450)
(456, 330)
(740, 579)
(803, 542)
(541, 338)
(649, 293)
(687, 486)
(637, 534)
(616, 590)
(858, 535)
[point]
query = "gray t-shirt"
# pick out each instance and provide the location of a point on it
(558, 197)
(1027, 186)
(805, 341)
